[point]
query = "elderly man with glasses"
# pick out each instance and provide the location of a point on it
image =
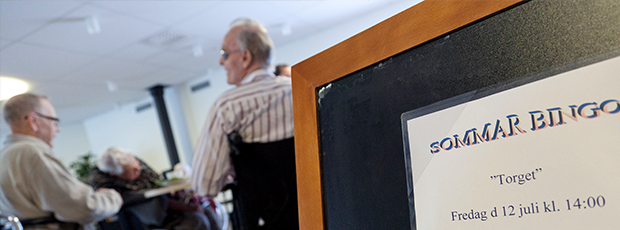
(34, 184)
(259, 111)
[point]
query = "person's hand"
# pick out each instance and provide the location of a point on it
(179, 194)
(202, 199)
(104, 189)
(197, 199)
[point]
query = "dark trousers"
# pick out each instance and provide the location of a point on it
(267, 186)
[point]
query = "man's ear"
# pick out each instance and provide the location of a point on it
(247, 58)
(32, 122)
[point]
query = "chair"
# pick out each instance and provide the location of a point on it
(266, 183)
(123, 220)
(34, 222)
(237, 216)
(221, 213)
(137, 213)
(8, 222)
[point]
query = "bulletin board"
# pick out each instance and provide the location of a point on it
(348, 100)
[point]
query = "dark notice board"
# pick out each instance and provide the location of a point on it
(361, 147)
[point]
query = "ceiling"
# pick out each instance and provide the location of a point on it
(47, 43)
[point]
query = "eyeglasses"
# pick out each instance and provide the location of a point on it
(48, 117)
(225, 53)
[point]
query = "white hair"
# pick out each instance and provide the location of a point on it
(254, 37)
(249, 22)
(113, 159)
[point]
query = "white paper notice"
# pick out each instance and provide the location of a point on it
(544, 155)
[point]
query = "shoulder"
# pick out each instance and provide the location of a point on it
(231, 95)
(261, 86)
(25, 150)
(99, 179)
(283, 79)
(20, 156)
(252, 90)
(32, 160)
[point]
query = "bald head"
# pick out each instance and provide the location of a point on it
(32, 115)
(18, 106)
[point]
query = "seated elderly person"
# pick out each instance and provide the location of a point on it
(120, 170)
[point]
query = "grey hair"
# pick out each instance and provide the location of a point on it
(254, 37)
(19, 105)
(113, 159)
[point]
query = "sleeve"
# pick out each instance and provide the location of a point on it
(58, 191)
(211, 161)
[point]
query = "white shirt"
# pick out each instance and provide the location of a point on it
(260, 108)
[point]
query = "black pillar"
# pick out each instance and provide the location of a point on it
(158, 95)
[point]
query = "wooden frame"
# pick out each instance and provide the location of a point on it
(414, 26)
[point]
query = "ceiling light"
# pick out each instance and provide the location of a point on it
(197, 50)
(286, 29)
(165, 38)
(92, 24)
(112, 86)
(10, 87)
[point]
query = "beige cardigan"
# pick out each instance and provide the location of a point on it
(34, 183)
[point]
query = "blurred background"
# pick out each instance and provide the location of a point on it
(96, 61)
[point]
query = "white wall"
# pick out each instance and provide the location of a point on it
(138, 132)
(4, 127)
(197, 104)
(299, 50)
(178, 122)
(71, 143)
(141, 133)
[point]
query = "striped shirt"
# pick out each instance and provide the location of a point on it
(260, 109)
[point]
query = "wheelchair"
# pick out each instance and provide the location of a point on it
(265, 186)
(8, 222)
(133, 217)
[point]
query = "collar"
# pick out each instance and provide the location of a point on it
(15, 138)
(257, 75)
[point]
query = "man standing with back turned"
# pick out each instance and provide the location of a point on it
(34, 183)
(260, 110)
